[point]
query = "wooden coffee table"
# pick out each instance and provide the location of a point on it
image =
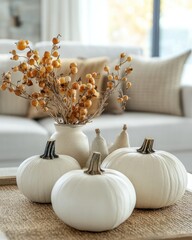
(8, 176)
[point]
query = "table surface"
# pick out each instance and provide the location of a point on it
(189, 185)
(6, 173)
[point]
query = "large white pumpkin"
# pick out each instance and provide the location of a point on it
(37, 174)
(93, 199)
(159, 178)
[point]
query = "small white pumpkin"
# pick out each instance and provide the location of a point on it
(121, 141)
(37, 174)
(93, 199)
(159, 177)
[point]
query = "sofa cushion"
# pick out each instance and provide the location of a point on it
(87, 65)
(156, 84)
(113, 106)
(84, 66)
(7, 45)
(10, 104)
(187, 100)
(20, 138)
(171, 133)
(70, 49)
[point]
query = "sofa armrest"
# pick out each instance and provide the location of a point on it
(186, 93)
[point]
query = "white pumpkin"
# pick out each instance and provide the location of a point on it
(159, 177)
(93, 199)
(37, 174)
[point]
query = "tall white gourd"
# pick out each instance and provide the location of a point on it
(99, 144)
(159, 178)
(121, 141)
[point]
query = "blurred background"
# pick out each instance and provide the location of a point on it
(159, 27)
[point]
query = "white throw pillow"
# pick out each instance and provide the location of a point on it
(156, 84)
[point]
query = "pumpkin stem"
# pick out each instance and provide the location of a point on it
(97, 131)
(49, 152)
(147, 146)
(124, 127)
(94, 166)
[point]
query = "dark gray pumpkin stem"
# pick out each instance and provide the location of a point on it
(94, 166)
(49, 152)
(147, 146)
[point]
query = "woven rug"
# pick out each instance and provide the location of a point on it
(21, 219)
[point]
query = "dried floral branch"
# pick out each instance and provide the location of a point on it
(66, 101)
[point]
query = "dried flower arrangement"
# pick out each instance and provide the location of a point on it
(68, 102)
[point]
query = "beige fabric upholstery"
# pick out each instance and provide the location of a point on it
(156, 84)
(187, 100)
(87, 65)
(113, 106)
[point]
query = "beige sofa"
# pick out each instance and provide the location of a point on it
(159, 107)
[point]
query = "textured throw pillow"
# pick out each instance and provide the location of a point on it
(10, 104)
(113, 106)
(85, 66)
(156, 84)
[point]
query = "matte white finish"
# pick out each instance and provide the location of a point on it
(36, 176)
(93, 202)
(70, 140)
(159, 178)
(121, 141)
(99, 144)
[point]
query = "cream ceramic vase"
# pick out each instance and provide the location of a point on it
(70, 140)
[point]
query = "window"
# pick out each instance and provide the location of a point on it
(159, 27)
(20, 19)
(130, 22)
(175, 26)
(137, 22)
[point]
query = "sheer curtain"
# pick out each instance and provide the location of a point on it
(75, 20)
(94, 21)
(60, 16)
